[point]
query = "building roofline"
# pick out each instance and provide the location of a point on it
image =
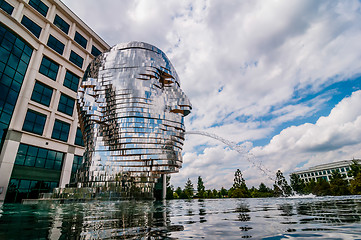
(79, 20)
(327, 165)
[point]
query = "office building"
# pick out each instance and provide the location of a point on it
(44, 50)
(325, 171)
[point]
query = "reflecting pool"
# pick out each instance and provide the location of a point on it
(267, 218)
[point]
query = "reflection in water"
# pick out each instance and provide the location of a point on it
(273, 218)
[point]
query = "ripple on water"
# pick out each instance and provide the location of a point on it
(272, 218)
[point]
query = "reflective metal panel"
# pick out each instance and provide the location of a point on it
(131, 110)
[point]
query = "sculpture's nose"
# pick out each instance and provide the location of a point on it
(183, 105)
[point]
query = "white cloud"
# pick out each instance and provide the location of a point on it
(331, 138)
(240, 61)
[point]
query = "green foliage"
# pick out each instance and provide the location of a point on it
(297, 184)
(355, 168)
(239, 189)
(175, 195)
(178, 191)
(188, 189)
(200, 187)
(170, 189)
(261, 192)
(223, 192)
(238, 179)
(309, 187)
(169, 194)
(215, 193)
(281, 187)
(338, 185)
(321, 188)
(355, 185)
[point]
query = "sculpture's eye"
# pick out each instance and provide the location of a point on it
(165, 79)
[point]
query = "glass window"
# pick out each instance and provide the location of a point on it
(34, 122)
(66, 105)
(76, 59)
(80, 39)
(95, 51)
(55, 44)
(76, 165)
(49, 68)
(79, 137)
(6, 7)
(60, 130)
(39, 6)
(71, 81)
(60, 23)
(32, 156)
(14, 58)
(23, 188)
(31, 26)
(42, 94)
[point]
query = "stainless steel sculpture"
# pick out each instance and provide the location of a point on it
(131, 110)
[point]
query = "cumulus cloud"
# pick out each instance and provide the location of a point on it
(249, 67)
(331, 138)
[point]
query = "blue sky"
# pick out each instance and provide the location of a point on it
(280, 78)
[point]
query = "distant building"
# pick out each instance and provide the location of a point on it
(44, 51)
(325, 171)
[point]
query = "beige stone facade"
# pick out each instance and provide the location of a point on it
(15, 133)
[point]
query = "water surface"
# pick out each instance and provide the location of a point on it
(267, 218)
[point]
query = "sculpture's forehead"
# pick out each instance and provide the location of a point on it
(138, 54)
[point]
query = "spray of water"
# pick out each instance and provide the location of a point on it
(241, 149)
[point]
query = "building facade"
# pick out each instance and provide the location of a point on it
(44, 51)
(325, 171)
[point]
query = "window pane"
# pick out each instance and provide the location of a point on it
(60, 23)
(39, 157)
(42, 94)
(60, 130)
(95, 51)
(80, 39)
(49, 68)
(76, 59)
(79, 137)
(55, 44)
(31, 26)
(71, 81)
(6, 7)
(12, 71)
(39, 6)
(66, 105)
(34, 122)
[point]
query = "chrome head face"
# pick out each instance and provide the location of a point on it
(131, 110)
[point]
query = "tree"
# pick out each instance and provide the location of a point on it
(321, 188)
(239, 189)
(223, 192)
(188, 189)
(200, 187)
(355, 168)
(338, 185)
(178, 191)
(281, 187)
(355, 185)
(238, 179)
(263, 191)
(297, 184)
(170, 189)
(310, 186)
(215, 193)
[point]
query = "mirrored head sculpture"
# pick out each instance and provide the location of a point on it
(131, 110)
